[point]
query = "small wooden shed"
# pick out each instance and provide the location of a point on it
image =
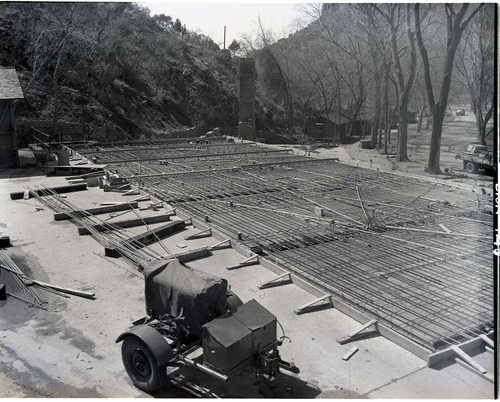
(10, 90)
(335, 127)
(332, 127)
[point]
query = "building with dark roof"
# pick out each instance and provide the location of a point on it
(10, 90)
(335, 127)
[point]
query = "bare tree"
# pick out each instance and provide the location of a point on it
(456, 22)
(395, 15)
(475, 63)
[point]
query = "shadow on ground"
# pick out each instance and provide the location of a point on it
(240, 385)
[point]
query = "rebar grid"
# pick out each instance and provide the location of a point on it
(434, 298)
(432, 287)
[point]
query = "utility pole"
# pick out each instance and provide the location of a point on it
(224, 37)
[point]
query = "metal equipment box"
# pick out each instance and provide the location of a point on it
(233, 339)
(258, 320)
(226, 343)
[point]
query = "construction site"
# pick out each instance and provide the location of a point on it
(382, 283)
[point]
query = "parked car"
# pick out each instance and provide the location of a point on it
(460, 112)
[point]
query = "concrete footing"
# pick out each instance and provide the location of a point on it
(103, 227)
(60, 216)
(146, 238)
(19, 195)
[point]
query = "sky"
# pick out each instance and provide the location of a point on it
(239, 18)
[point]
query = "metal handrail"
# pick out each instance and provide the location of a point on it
(46, 137)
(57, 132)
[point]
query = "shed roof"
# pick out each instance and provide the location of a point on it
(10, 88)
(334, 118)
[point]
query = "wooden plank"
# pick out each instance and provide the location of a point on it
(468, 346)
(444, 228)
(60, 216)
(468, 359)
(487, 340)
(74, 292)
(349, 354)
(486, 376)
(19, 195)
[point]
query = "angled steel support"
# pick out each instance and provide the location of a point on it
(313, 304)
(279, 280)
(203, 233)
(358, 334)
(254, 259)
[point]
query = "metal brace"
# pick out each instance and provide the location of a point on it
(203, 233)
(467, 359)
(355, 336)
(254, 259)
(145, 197)
(306, 307)
(223, 244)
(134, 191)
(273, 282)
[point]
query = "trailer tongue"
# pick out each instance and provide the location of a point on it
(189, 309)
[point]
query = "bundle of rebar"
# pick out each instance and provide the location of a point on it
(117, 238)
(32, 295)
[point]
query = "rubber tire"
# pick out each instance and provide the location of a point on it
(472, 167)
(153, 376)
(233, 302)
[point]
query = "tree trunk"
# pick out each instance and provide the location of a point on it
(429, 120)
(386, 102)
(380, 130)
(482, 135)
(376, 118)
(387, 132)
(437, 130)
(402, 153)
(454, 34)
(439, 111)
(405, 88)
(421, 115)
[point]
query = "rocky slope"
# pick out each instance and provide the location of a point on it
(152, 81)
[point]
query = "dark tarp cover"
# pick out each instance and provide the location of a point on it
(171, 286)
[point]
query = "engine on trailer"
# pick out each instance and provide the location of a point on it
(189, 309)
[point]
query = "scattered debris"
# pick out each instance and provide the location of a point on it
(351, 353)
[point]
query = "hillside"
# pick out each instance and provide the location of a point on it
(115, 67)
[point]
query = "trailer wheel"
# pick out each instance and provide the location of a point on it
(233, 302)
(141, 365)
(472, 167)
